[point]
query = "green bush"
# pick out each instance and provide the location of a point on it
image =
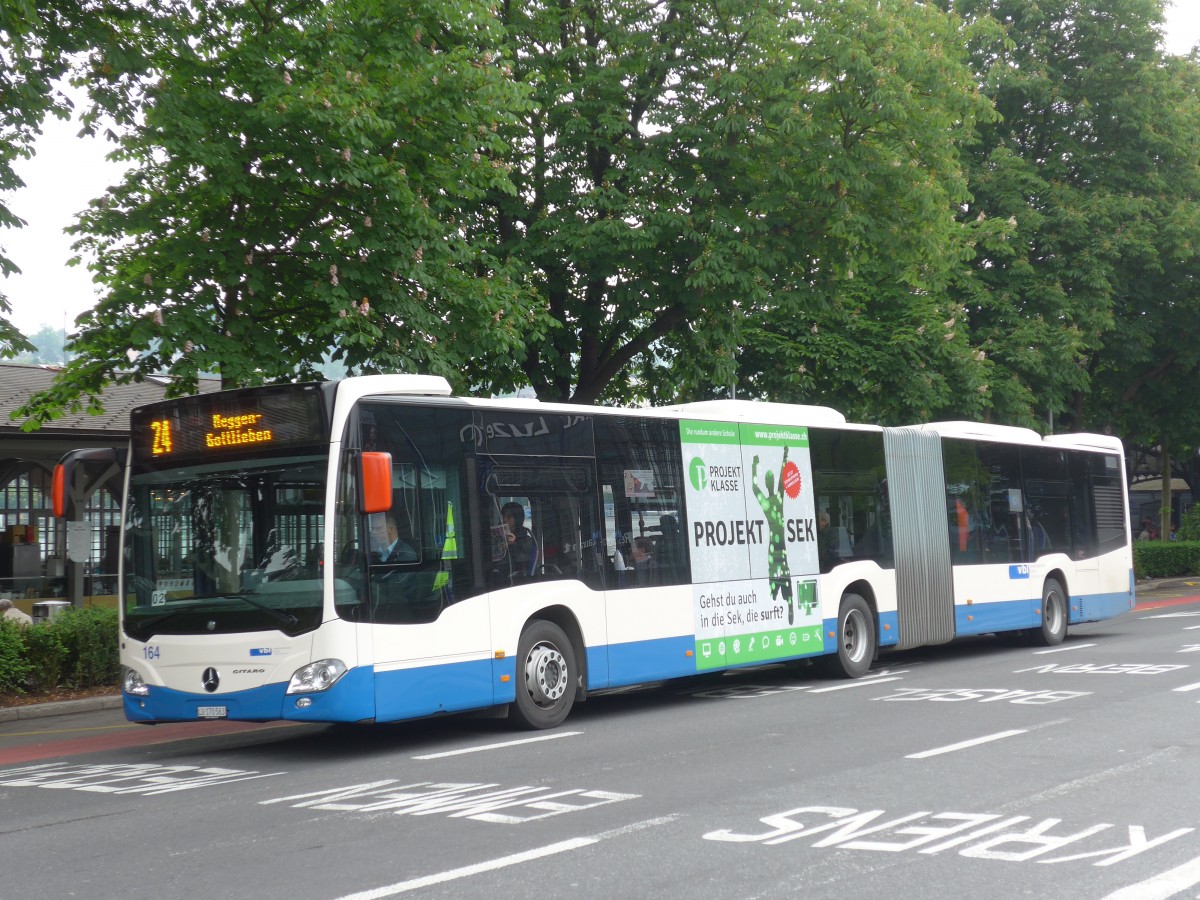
(76, 649)
(89, 640)
(46, 655)
(1189, 527)
(1166, 559)
(14, 662)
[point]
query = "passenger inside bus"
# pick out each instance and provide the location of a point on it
(522, 551)
(645, 566)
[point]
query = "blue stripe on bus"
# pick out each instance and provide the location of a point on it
(639, 661)
(350, 700)
(888, 625)
(1094, 607)
(430, 690)
(1014, 615)
(1006, 615)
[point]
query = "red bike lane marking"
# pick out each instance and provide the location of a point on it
(1174, 601)
(130, 736)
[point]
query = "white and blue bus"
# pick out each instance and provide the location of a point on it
(376, 549)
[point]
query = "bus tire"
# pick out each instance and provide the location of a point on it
(546, 676)
(856, 641)
(1054, 616)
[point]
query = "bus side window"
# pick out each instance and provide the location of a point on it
(641, 478)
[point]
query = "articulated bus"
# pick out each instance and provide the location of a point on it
(376, 549)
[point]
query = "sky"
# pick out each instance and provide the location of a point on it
(68, 171)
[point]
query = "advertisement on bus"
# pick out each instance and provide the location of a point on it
(754, 535)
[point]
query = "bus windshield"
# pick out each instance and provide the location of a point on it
(225, 549)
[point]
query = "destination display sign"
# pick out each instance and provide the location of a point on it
(227, 423)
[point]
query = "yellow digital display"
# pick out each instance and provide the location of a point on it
(234, 431)
(162, 436)
(231, 423)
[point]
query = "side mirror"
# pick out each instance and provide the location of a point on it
(58, 491)
(65, 470)
(376, 479)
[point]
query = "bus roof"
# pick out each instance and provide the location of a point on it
(757, 411)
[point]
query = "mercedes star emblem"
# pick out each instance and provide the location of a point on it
(211, 679)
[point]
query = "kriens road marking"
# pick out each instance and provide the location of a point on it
(1163, 885)
(963, 745)
(502, 862)
(500, 746)
(1012, 839)
(1062, 649)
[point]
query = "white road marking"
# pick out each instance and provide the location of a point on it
(962, 745)
(1187, 687)
(861, 682)
(500, 746)
(514, 859)
(1061, 649)
(1163, 885)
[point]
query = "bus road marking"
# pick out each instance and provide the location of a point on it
(1061, 649)
(502, 862)
(963, 745)
(479, 801)
(499, 746)
(1165, 884)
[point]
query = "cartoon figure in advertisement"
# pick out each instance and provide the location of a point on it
(772, 506)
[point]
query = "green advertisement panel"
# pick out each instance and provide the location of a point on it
(735, 631)
(753, 541)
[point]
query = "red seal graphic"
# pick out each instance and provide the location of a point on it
(791, 480)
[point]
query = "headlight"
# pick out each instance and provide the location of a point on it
(133, 683)
(316, 676)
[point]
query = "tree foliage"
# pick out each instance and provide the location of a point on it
(981, 208)
(1093, 166)
(35, 40)
(48, 343)
(297, 174)
(693, 177)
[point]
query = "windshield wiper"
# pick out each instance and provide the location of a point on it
(146, 628)
(285, 617)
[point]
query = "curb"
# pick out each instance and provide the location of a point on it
(61, 708)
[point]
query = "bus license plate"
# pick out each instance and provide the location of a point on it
(212, 712)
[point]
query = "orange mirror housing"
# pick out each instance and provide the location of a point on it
(58, 491)
(376, 479)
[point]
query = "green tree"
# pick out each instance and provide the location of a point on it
(34, 44)
(698, 172)
(1092, 165)
(48, 343)
(1144, 377)
(297, 172)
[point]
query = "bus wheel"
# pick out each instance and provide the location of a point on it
(855, 640)
(1054, 616)
(546, 676)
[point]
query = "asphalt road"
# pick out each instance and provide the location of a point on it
(982, 769)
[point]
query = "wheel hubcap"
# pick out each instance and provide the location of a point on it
(546, 674)
(1053, 611)
(854, 635)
